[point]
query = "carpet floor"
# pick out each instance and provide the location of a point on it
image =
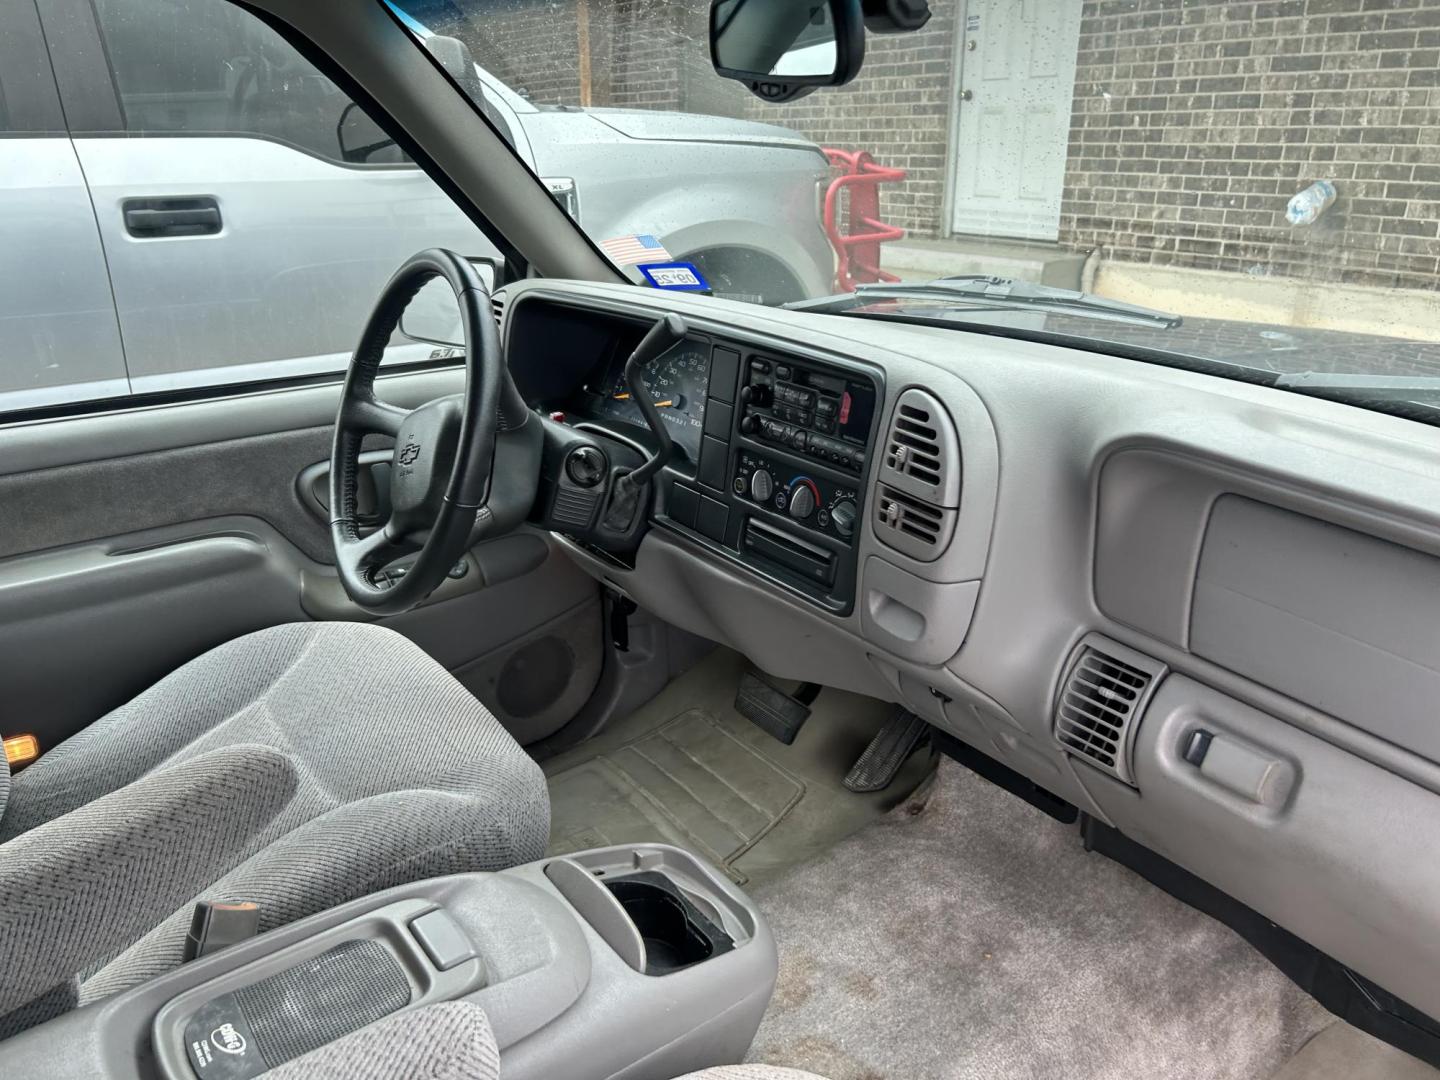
(968, 935)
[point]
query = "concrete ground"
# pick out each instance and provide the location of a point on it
(1402, 313)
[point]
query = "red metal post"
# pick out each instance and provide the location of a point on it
(857, 246)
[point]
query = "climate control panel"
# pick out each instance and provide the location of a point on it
(808, 500)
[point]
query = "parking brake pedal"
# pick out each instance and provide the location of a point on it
(774, 711)
(888, 750)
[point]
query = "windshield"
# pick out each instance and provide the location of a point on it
(1270, 174)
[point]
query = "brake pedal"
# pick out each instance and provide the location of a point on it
(773, 711)
(877, 766)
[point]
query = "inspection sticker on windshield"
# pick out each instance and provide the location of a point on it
(676, 275)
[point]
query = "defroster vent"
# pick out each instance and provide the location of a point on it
(1101, 702)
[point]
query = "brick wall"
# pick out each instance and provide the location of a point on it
(1195, 121)
(898, 108)
(529, 45)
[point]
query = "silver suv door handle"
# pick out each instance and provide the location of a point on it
(196, 215)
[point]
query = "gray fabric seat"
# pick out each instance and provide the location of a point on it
(399, 774)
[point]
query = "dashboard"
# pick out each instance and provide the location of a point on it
(771, 444)
(989, 525)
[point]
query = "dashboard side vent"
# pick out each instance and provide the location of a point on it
(914, 449)
(1101, 701)
(497, 305)
(911, 525)
(919, 478)
(922, 452)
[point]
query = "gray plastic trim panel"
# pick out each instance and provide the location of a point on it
(388, 925)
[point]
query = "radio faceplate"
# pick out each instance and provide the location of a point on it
(821, 414)
(779, 483)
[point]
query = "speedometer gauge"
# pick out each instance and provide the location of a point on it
(677, 383)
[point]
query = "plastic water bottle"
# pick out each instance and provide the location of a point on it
(1307, 206)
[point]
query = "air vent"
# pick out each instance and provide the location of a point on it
(919, 478)
(914, 448)
(1101, 701)
(922, 453)
(497, 305)
(911, 525)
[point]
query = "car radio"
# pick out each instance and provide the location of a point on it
(817, 413)
(778, 485)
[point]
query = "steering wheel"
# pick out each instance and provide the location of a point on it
(446, 491)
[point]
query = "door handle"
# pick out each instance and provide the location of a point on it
(149, 218)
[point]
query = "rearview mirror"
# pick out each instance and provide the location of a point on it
(783, 49)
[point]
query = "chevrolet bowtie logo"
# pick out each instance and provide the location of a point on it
(409, 453)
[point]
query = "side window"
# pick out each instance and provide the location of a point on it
(206, 67)
(249, 211)
(28, 105)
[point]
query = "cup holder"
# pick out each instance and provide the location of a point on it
(676, 933)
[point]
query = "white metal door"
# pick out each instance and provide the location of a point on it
(1016, 83)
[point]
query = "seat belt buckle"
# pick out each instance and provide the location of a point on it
(21, 750)
(217, 925)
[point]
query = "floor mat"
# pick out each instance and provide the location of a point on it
(688, 769)
(973, 937)
(690, 783)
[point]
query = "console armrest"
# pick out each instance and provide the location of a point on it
(436, 1042)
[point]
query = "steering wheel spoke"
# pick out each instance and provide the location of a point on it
(370, 414)
(380, 548)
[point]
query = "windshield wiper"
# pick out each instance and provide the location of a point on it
(987, 292)
(1371, 387)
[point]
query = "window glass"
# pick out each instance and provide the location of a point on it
(234, 225)
(205, 67)
(28, 105)
(1263, 177)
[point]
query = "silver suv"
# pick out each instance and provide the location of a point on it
(220, 212)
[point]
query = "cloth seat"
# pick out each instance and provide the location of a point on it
(395, 773)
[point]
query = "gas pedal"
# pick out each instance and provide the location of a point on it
(773, 711)
(876, 767)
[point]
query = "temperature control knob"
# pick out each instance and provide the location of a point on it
(802, 501)
(762, 486)
(843, 515)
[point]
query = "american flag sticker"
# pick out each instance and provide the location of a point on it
(628, 250)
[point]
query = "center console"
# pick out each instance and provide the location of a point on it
(637, 961)
(779, 484)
